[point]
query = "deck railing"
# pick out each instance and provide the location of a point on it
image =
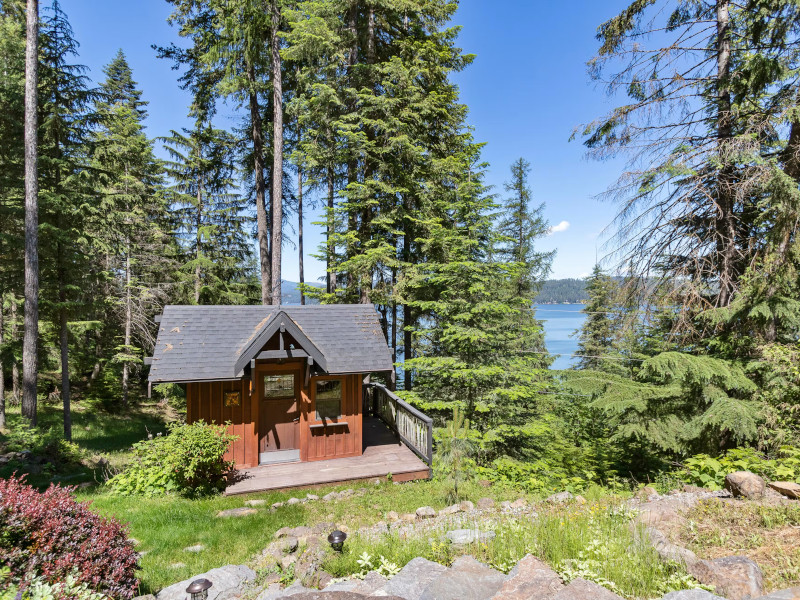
(414, 428)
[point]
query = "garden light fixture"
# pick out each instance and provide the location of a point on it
(198, 589)
(336, 540)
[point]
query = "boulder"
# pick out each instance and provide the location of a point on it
(425, 512)
(653, 513)
(645, 493)
(505, 505)
(531, 579)
(325, 595)
(286, 545)
(745, 483)
(469, 536)
(692, 595)
(467, 506)
(451, 510)
(485, 503)
(519, 504)
(467, 579)
(392, 516)
(372, 582)
(227, 583)
(734, 577)
(668, 551)
(412, 579)
(787, 594)
(408, 517)
(330, 496)
(312, 497)
(693, 489)
(293, 500)
(580, 589)
(560, 498)
(257, 502)
(237, 512)
(786, 488)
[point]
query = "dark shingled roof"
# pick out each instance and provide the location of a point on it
(200, 343)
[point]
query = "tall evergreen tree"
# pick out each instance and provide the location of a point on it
(599, 334)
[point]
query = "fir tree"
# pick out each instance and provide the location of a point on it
(598, 337)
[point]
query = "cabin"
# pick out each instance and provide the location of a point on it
(294, 384)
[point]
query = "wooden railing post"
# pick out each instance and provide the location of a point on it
(414, 428)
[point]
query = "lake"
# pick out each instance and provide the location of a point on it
(560, 322)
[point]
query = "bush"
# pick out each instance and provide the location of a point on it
(706, 471)
(48, 443)
(36, 588)
(53, 537)
(189, 460)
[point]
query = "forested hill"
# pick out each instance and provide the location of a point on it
(562, 291)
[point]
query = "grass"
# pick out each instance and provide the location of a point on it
(766, 533)
(593, 541)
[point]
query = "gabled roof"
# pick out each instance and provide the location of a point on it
(204, 343)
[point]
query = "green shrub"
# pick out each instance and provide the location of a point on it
(189, 461)
(710, 472)
(173, 394)
(48, 443)
(38, 589)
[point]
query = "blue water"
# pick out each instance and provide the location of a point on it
(560, 322)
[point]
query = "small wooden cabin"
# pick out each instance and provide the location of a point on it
(289, 379)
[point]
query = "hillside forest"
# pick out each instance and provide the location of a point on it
(690, 345)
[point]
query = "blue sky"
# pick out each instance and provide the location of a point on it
(527, 90)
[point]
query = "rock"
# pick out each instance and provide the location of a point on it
(195, 548)
(485, 503)
(324, 595)
(324, 528)
(645, 493)
(145, 597)
(291, 501)
(227, 583)
(408, 517)
(412, 579)
(580, 499)
(786, 488)
(560, 498)
(505, 505)
(272, 592)
(278, 504)
(467, 579)
(287, 561)
(450, 510)
(252, 503)
(312, 497)
(580, 589)
(693, 489)
(787, 594)
(392, 516)
(531, 579)
(372, 582)
(669, 551)
(283, 532)
(237, 512)
(745, 483)
(485, 483)
(286, 545)
(330, 496)
(469, 536)
(734, 577)
(655, 512)
(346, 493)
(467, 506)
(425, 512)
(519, 504)
(692, 595)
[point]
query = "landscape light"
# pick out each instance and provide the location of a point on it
(198, 589)
(336, 540)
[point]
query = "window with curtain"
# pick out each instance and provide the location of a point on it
(329, 399)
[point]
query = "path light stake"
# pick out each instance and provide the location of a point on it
(336, 540)
(198, 589)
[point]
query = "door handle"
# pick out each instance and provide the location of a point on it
(297, 420)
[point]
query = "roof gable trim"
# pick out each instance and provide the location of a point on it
(280, 322)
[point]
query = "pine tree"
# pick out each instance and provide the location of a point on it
(210, 214)
(599, 335)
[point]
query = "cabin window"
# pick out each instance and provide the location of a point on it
(329, 399)
(279, 386)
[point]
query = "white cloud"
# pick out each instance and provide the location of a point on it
(563, 226)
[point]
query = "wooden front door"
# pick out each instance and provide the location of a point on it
(279, 427)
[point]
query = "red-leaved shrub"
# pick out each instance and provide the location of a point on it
(52, 535)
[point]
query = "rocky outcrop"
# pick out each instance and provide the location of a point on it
(531, 579)
(745, 484)
(467, 579)
(227, 583)
(734, 577)
(786, 488)
(414, 578)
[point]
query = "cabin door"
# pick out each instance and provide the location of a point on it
(279, 427)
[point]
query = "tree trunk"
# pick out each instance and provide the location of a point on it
(2, 371)
(65, 389)
(300, 232)
(393, 341)
(128, 319)
(31, 338)
(14, 340)
(331, 253)
(277, 153)
(726, 226)
(257, 132)
(407, 354)
(198, 241)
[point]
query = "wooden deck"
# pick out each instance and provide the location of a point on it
(383, 454)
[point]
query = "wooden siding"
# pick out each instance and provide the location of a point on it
(332, 440)
(204, 400)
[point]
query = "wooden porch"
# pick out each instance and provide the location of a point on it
(384, 453)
